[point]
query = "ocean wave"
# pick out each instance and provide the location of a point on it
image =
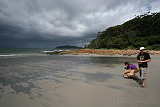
(19, 55)
(16, 52)
(7, 55)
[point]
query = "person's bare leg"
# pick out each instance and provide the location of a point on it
(144, 82)
(143, 85)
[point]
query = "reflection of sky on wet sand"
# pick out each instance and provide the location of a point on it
(24, 74)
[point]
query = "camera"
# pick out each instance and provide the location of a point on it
(126, 68)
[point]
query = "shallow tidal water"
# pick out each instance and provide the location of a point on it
(23, 76)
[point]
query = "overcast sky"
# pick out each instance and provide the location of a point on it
(50, 23)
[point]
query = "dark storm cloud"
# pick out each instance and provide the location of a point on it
(49, 23)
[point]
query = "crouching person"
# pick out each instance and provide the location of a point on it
(130, 71)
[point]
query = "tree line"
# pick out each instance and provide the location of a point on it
(143, 30)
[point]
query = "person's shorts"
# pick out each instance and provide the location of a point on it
(130, 74)
(136, 70)
(144, 72)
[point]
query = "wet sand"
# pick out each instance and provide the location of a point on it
(96, 84)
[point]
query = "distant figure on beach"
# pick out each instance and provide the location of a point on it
(130, 70)
(143, 58)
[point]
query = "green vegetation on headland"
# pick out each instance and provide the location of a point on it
(68, 47)
(143, 30)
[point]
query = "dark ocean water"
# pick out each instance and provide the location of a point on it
(7, 52)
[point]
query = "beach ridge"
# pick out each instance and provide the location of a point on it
(107, 52)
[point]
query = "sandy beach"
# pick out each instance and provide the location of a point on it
(75, 81)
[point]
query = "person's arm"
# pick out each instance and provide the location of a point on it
(127, 71)
(138, 59)
(148, 60)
